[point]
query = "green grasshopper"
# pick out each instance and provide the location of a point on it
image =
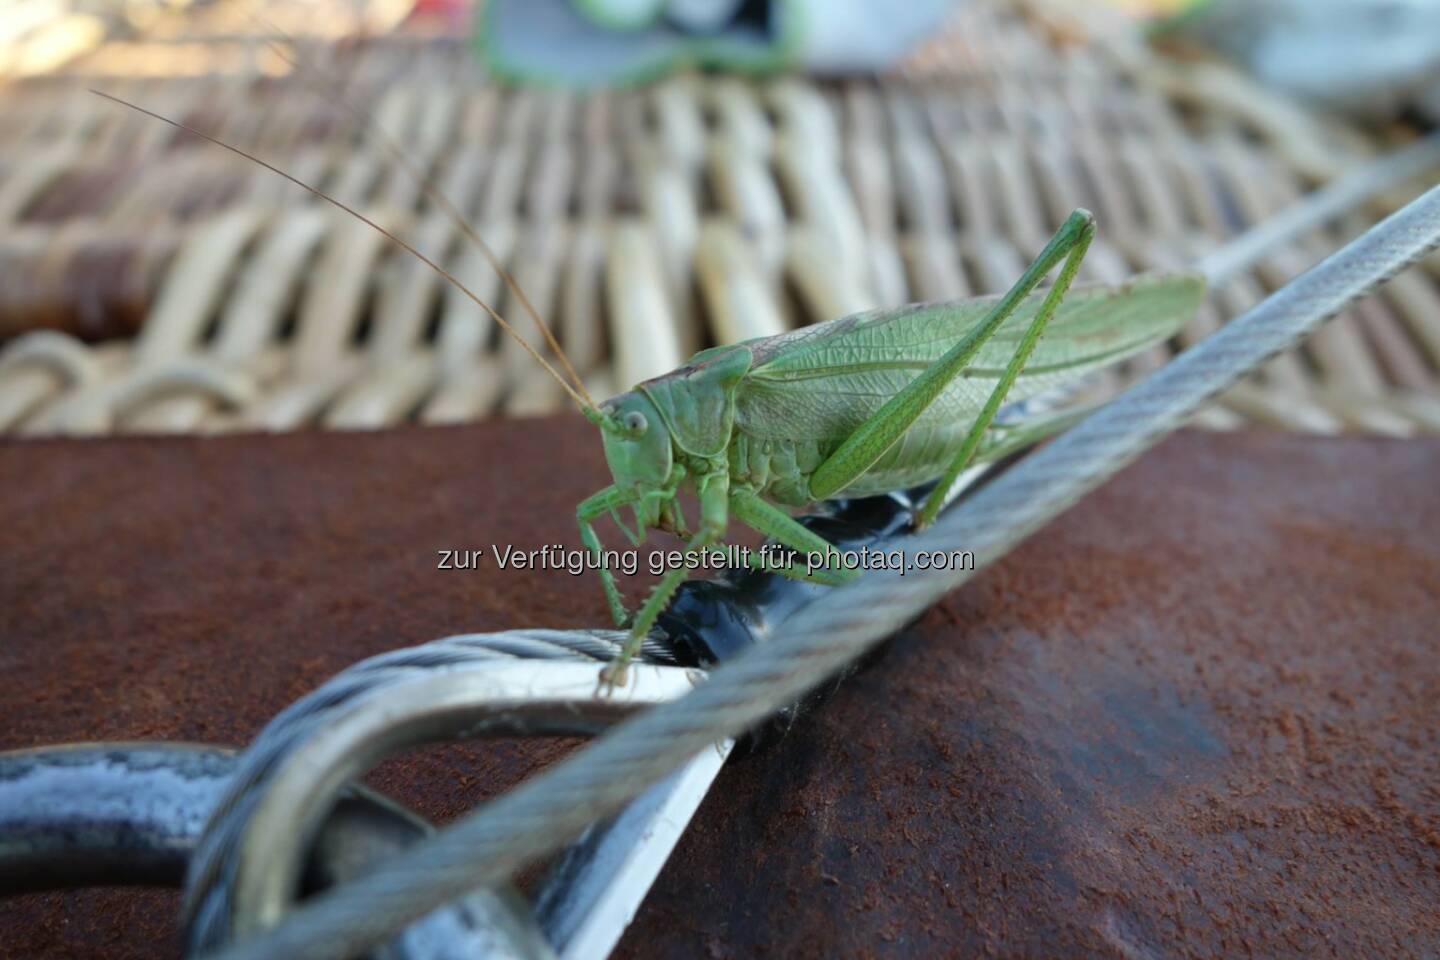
(857, 406)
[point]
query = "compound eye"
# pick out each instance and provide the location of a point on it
(635, 422)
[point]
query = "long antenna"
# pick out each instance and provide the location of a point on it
(585, 403)
(375, 132)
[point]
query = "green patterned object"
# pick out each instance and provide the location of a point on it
(586, 43)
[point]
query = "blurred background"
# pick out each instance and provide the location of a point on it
(655, 189)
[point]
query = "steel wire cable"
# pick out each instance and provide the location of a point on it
(207, 887)
(540, 815)
(1333, 200)
(118, 813)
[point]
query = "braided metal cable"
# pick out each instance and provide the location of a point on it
(208, 887)
(543, 813)
(112, 814)
(1330, 201)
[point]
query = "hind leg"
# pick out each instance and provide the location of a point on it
(868, 443)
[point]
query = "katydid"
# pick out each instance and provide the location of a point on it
(858, 406)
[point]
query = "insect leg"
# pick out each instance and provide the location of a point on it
(674, 516)
(873, 437)
(713, 492)
(1012, 370)
(755, 513)
(590, 510)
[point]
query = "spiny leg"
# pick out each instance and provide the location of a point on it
(591, 509)
(672, 518)
(713, 492)
(936, 500)
(871, 439)
(775, 523)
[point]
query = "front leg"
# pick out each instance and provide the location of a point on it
(713, 490)
(591, 509)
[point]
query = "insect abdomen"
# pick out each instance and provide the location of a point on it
(777, 469)
(780, 469)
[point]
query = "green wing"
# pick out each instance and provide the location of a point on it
(821, 382)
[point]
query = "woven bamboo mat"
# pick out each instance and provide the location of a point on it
(151, 282)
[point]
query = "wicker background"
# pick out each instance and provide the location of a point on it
(152, 282)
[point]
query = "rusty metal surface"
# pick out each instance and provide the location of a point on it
(1197, 715)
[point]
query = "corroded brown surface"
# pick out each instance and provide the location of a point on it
(1196, 716)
